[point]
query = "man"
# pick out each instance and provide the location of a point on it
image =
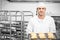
(41, 22)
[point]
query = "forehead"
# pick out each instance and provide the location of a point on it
(41, 7)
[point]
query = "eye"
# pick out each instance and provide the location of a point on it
(38, 8)
(43, 8)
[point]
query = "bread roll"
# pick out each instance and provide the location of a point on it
(50, 35)
(33, 35)
(42, 35)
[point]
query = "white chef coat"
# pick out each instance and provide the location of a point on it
(38, 25)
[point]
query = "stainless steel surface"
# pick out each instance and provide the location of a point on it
(34, 0)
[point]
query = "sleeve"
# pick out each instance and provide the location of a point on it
(29, 27)
(52, 26)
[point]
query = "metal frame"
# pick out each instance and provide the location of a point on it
(22, 20)
(11, 20)
(26, 22)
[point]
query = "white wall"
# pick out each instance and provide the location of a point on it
(0, 4)
(53, 9)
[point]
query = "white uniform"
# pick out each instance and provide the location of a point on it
(38, 25)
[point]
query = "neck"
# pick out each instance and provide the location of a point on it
(41, 16)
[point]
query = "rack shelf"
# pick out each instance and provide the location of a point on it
(13, 24)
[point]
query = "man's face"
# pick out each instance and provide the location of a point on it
(41, 10)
